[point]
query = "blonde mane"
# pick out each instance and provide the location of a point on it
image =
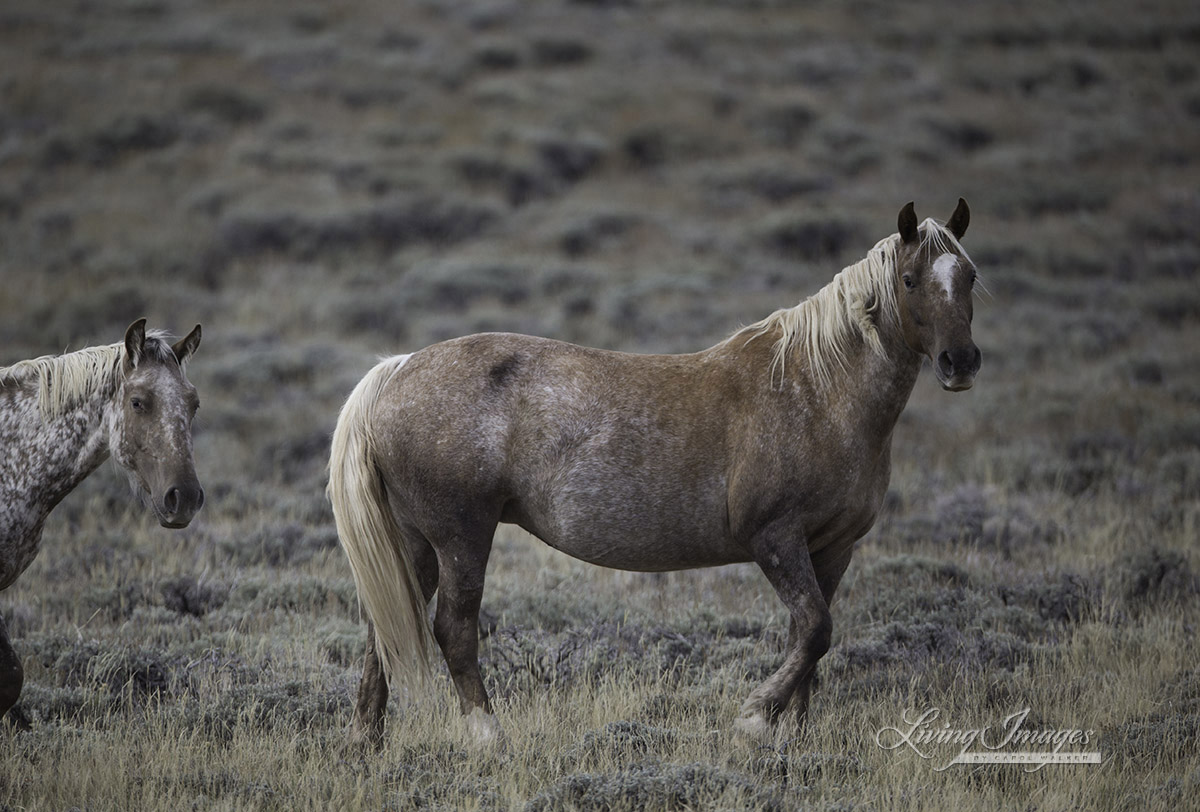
(853, 306)
(66, 381)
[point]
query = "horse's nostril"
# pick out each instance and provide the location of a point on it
(199, 498)
(945, 364)
(171, 501)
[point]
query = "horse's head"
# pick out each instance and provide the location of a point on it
(935, 283)
(150, 428)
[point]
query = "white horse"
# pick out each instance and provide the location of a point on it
(61, 416)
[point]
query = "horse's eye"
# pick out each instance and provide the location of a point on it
(908, 281)
(137, 404)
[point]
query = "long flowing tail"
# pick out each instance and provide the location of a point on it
(388, 589)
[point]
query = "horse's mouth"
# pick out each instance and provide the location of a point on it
(959, 383)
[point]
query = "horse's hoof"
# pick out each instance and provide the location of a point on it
(358, 742)
(365, 734)
(754, 727)
(484, 730)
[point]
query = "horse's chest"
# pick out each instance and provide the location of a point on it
(20, 532)
(21, 516)
(842, 527)
(846, 503)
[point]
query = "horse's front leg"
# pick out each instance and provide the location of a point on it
(12, 675)
(829, 566)
(780, 552)
(367, 727)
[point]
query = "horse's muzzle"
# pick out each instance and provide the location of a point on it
(956, 370)
(180, 504)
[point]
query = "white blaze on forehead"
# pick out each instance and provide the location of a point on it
(943, 271)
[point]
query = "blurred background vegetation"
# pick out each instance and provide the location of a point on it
(319, 184)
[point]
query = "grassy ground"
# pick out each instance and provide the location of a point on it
(319, 185)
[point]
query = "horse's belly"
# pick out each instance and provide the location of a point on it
(634, 537)
(646, 554)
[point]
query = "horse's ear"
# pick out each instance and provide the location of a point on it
(959, 221)
(907, 223)
(184, 348)
(135, 343)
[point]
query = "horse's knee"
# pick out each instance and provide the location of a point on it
(819, 637)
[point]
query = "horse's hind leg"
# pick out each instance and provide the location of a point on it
(462, 565)
(12, 675)
(369, 709)
(367, 727)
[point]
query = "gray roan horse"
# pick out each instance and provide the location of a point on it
(772, 446)
(61, 416)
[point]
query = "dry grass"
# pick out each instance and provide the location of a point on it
(231, 688)
(319, 185)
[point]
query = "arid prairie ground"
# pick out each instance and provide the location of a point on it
(319, 184)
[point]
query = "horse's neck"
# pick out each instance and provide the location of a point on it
(45, 459)
(879, 386)
(889, 381)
